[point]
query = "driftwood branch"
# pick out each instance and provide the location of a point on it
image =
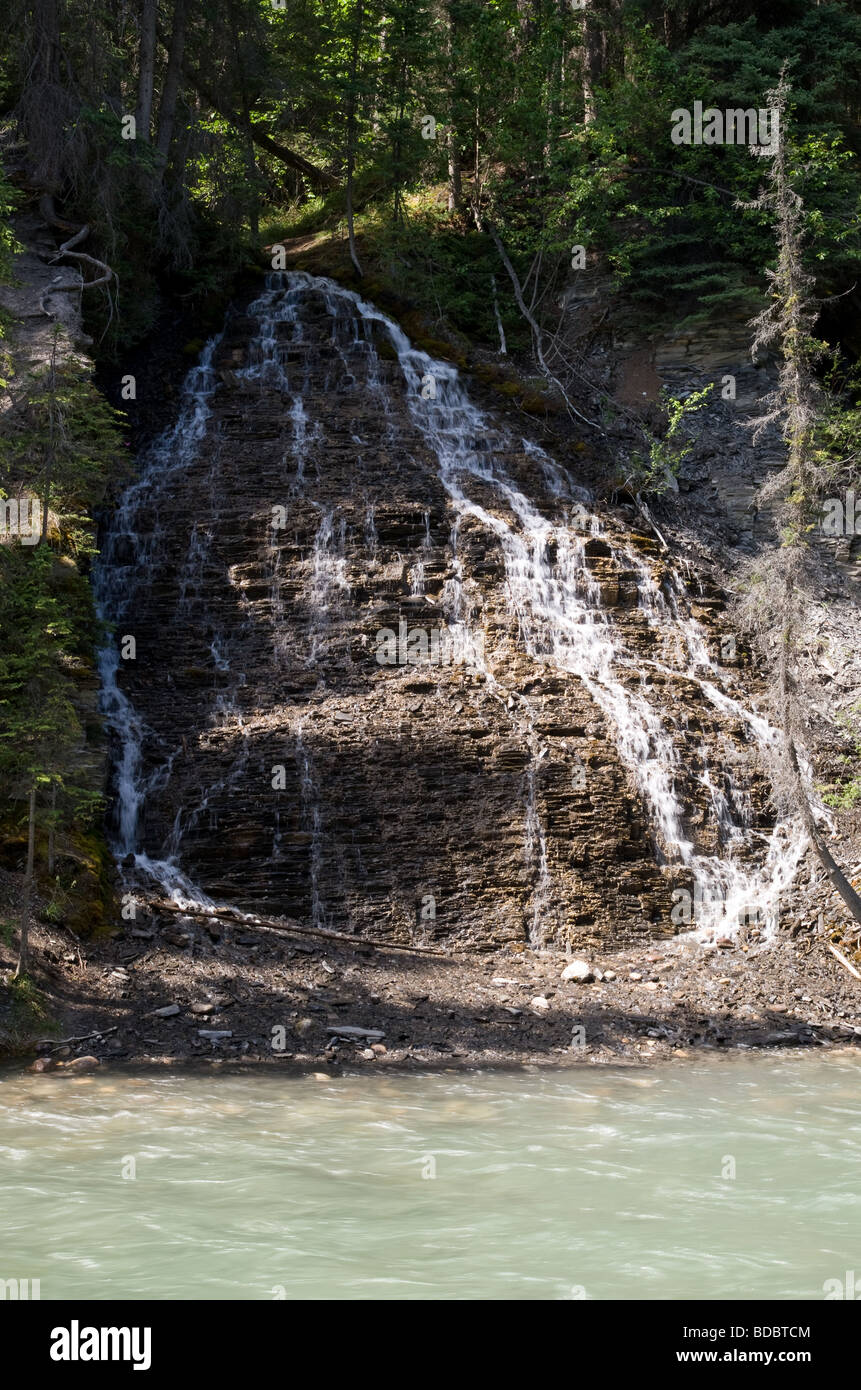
(649, 520)
(282, 926)
(843, 961)
(85, 1037)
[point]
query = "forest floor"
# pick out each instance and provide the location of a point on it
(281, 999)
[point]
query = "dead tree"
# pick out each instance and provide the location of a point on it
(776, 604)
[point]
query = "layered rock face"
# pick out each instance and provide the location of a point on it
(392, 673)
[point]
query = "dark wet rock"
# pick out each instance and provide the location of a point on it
(43, 1064)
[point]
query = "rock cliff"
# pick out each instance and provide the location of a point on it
(394, 671)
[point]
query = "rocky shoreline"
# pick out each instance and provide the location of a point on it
(195, 990)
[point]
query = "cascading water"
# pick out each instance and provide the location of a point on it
(128, 567)
(562, 621)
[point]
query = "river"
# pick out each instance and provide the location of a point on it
(710, 1178)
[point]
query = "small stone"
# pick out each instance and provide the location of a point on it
(540, 1004)
(579, 970)
(379, 1048)
(82, 1064)
(369, 1054)
(609, 974)
(215, 1033)
(202, 1008)
(49, 1063)
(635, 975)
(650, 984)
(176, 937)
(168, 1011)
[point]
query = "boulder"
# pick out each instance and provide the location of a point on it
(579, 970)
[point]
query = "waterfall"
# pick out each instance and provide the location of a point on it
(562, 621)
(127, 568)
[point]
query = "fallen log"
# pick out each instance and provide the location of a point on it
(284, 927)
(320, 179)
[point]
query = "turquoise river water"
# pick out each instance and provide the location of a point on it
(710, 1178)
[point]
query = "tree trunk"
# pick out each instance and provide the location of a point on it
(21, 967)
(52, 828)
(146, 71)
(455, 187)
(351, 135)
(43, 107)
(46, 43)
(172, 80)
(593, 61)
(245, 126)
(49, 456)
